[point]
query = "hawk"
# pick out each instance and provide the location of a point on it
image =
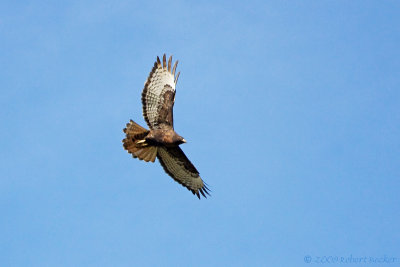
(161, 140)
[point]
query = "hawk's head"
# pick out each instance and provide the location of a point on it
(177, 139)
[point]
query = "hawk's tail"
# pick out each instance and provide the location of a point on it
(135, 143)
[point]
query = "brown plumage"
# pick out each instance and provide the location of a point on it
(161, 140)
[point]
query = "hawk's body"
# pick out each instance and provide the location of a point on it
(161, 140)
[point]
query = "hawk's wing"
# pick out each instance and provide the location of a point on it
(158, 95)
(178, 166)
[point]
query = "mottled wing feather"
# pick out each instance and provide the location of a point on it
(159, 93)
(178, 166)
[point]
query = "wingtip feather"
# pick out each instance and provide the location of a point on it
(158, 62)
(174, 68)
(201, 191)
(169, 63)
(164, 61)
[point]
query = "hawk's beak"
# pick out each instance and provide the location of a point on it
(183, 140)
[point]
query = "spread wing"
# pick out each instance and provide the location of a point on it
(158, 95)
(178, 166)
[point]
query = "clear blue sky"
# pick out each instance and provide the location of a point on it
(291, 110)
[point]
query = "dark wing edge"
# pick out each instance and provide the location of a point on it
(144, 92)
(179, 167)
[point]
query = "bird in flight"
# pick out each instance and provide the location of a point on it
(161, 141)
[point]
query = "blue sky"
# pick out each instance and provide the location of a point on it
(290, 109)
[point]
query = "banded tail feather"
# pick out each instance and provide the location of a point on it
(135, 143)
